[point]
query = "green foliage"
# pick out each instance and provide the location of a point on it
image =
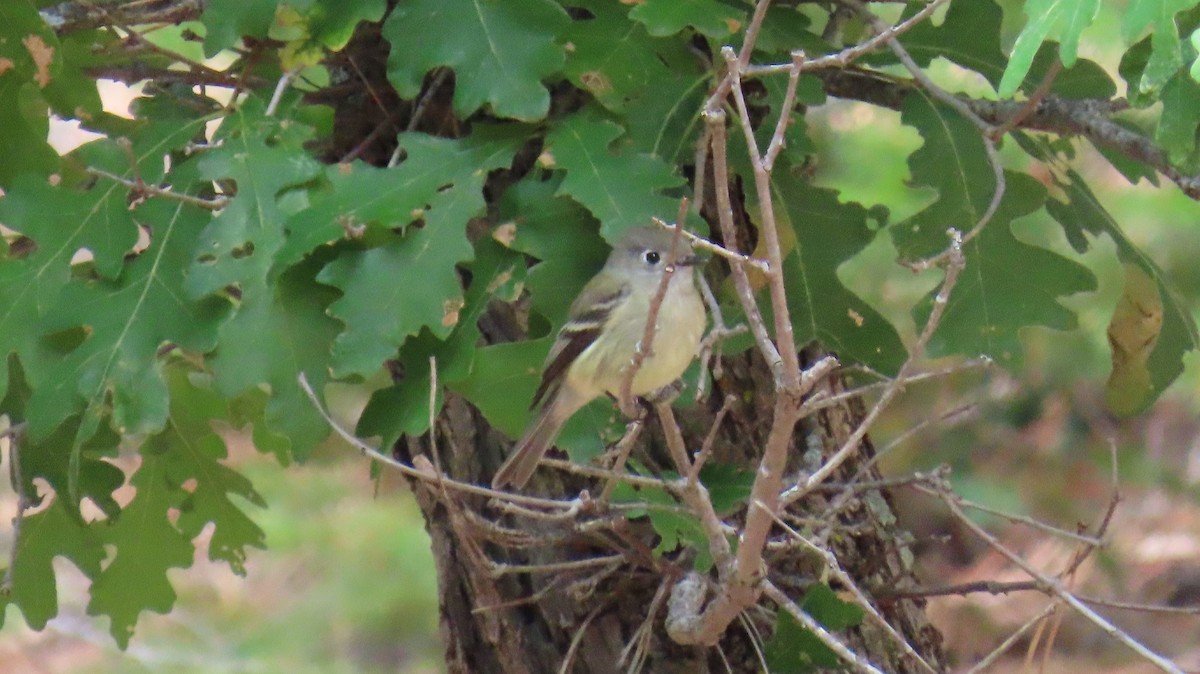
(677, 528)
(794, 649)
(184, 270)
(500, 52)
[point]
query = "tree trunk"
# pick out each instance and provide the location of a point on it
(498, 622)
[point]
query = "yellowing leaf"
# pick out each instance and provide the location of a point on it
(1133, 333)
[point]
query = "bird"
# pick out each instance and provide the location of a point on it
(595, 348)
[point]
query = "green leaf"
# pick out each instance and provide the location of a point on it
(502, 382)
(1063, 20)
(391, 292)
(560, 232)
(226, 21)
(403, 408)
(616, 61)
(192, 452)
(1176, 132)
(794, 649)
(239, 245)
(1166, 57)
(1147, 370)
(290, 316)
(675, 526)
(668, 17)
(440, 181)
(54, 458)
(828, 233)
(499, 51)
(622, 191)
(313, 27)
(46, 534)
(126, 321)
(994, 297)
(969, 36)
(728, 485)
(147, 546)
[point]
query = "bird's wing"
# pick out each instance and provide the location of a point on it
(585, 320)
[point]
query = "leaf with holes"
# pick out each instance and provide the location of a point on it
(45, 535)
(440, 181)
(239, 245)
(147, 547)
(123, 324)
(617, 61)
(193, 453)
(1150, 344)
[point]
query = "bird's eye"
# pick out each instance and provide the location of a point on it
(652, 257)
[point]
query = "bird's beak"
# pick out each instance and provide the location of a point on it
(689, 260)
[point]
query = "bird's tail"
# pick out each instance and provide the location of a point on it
(538, 439)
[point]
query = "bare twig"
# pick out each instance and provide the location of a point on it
(953, 269)
(715, 120)
(706, 448)
(860, 597)
(1013, 638)
(424, 475)
(285, 80)
(142, 188)
(625, 445)
(850, 657)
(847, 56)
(1055, 587)
(645, 346)
(419, 111)
(578, 639)
(706, 245)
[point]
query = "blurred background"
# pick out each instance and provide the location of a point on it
(348, 582)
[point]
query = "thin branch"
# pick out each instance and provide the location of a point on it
(785, 342)
(578, 639)
(140, 188)
(427, 476)
(816, 403)
(850, 657)
(1057, 589)
(1013, 638)
(419, 111)
(706, 245)
(847, 56)
(645, 346)
(860, 597)
(1090, 119)
(623, 447)
(693, 494)
(706, 448)
(285, 80)
(953, 269)
(715, 120)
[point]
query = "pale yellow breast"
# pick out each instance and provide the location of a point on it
(680, 326)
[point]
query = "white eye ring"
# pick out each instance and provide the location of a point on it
(653, 257)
